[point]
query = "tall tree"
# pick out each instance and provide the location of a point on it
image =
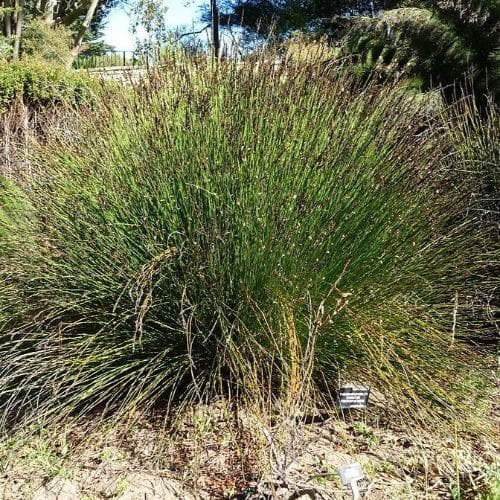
(214, 30)
(283, 16)
(148, 16)
(84, 26)
(49, 11)
(7, 17)
(434, 40)
(80, 17)
(19, 5)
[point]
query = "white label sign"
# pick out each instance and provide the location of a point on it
(351, 473)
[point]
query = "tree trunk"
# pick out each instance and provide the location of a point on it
(19, 28)
(214, 12)
(48, 14)
(7, 20)
(83, 29)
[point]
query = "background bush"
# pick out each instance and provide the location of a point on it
(39, 84)
(410, 42)
(5, 48)
(237, 228)
(48, 43)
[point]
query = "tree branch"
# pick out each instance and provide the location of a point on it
(182, 35)
(73, 15)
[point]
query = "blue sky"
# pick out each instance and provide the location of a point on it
(180, 13)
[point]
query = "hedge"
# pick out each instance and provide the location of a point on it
(39, 84)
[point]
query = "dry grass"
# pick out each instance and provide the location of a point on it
(215, 453)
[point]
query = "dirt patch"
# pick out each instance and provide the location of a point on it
(210, 456)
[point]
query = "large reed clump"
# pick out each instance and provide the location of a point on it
(220, 229)
(473, 141)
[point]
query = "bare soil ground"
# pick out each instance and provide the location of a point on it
(210, 457)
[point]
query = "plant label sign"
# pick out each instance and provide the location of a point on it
(353, 397)
(350, 475)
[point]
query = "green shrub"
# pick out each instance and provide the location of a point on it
(220, 229)
(439, 42)
(47, 43)
(409, 41)
(5, 48)
(39, 84)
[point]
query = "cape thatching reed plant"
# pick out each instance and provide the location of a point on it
(234, 230)
(473, 141)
